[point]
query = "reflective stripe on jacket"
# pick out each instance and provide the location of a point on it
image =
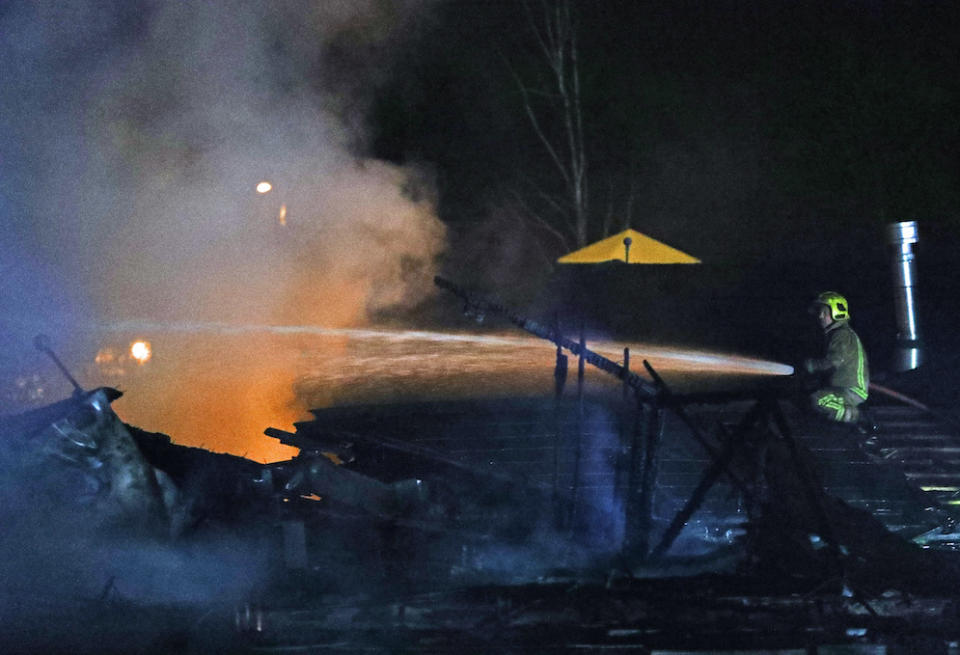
(845, 359)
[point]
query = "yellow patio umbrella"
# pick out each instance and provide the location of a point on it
(631, 247)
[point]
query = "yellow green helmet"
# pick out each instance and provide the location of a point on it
(839, 309)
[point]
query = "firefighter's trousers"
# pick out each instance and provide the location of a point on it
(837, 404)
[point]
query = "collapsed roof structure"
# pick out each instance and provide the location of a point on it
(645, 519)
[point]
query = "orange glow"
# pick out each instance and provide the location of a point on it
(220, 387)
(282, 216)
(338, 302)
(109, 362)
(264, 187)
(141, 351)
(216, 391)
(105, 356)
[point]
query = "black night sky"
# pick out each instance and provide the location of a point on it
(732, 129)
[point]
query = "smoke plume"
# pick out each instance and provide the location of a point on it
(133, 138)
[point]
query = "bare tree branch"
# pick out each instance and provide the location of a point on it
(557, 39)
(550, 200)
(531, 114)
(631, 195)
(532, 216)
(573, 122)
(536, 30)
(608, 215)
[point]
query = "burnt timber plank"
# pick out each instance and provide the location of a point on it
(918, 465)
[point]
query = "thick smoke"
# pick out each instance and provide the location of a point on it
(134, 135)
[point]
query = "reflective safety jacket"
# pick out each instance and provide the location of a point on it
(845, 359)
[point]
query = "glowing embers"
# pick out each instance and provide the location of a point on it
(263, 188)
(113, 362)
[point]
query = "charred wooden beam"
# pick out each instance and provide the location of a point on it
(322, 440)
(480, 305)
(651, 469)
(720, 466)
(319, 475)
(342, 449)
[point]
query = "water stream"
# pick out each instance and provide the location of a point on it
(219, 386)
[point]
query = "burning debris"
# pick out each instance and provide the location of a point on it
(424, 525)
(104, 474)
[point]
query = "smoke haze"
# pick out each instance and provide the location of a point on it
(134, 135)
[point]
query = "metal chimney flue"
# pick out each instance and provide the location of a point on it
(908, 353)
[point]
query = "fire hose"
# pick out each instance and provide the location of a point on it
(479, 306)
(907, 400)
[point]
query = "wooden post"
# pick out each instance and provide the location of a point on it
(575, 491)
(559, 379)
(634, 465)
(622, 459)
(651, 468)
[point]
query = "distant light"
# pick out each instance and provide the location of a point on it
(264, 187)
(105, 356)
(282, 216)
(140, 351)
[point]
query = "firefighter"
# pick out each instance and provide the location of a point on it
(844, 365)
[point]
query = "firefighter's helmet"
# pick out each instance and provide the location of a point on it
(839, 309)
